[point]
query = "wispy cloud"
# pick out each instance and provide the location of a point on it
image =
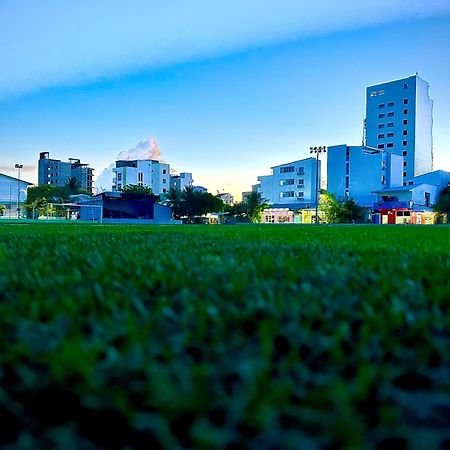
(25, 168)
(54, 42)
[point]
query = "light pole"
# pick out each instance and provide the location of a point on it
(18, 167)
(317, 151)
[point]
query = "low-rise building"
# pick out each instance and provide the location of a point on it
(291, 185)
(396, 204)
(181, 181)
(118, 207)
(357, 171)
(13, 193)
(225, 197)
(56, 172)
(142, 172)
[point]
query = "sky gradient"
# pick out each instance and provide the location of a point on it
(227, 91)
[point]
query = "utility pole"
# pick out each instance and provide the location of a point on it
(317, 151)
(18, 167)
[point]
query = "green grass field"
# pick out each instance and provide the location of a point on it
(228, 337)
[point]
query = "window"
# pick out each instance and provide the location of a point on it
(347, 182)
(381, 106)
(411, 183)
(119, 176)
(380, 136)
(404, 174)
(347, 154)
(405, 143)
(383, 179)
(301, 182)
(164, 181)
(287, 169)
(140, 177)
(380, 126)
(287, 182)
(405, 86)
(347, 169)
(405, 163)
(427, 198)
(405, 121)
(404, 184)
(405, 132)
(390, 135)
(300, 194)
(391, 114)
(390, 104)
(405, 101)
(381, 116)
(404, 153)
(390, 124)
(119, 187)
(164, 171)
(405, 111)
(380, 145)
(390, 145)
(287, 194)
(300, 171)
(383, 165)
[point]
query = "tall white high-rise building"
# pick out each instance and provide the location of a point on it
(399, 119)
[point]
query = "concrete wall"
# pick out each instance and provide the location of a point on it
(356, 171)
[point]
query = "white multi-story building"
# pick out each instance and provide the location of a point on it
(226, 197)
(399, 119)
(356, 172)
(291, 185)
(181, 181)
(142, 172)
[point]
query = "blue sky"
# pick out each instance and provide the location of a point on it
(227, 90)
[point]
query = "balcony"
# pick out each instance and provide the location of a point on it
(394, 204)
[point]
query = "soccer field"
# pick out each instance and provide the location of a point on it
(252, 336)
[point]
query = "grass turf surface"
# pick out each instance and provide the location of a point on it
(224, 336)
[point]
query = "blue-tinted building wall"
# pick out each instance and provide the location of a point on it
(399, 119)
(356, 171)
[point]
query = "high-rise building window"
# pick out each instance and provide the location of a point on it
(404, 153)
(405, 143)
(405, 86)
(404, 174)
(405, 163)
(390, 124)
(347, 168)
(390, 104)
(405, 101)
(405, 111)
(391, 114)
(381, 116)
(405, 122)
(380, 126)
(390, 145)
(381, 106)
(347, 182)
(347, 154)
(380, 145)
(381, 136)
(405, 132)
(390, 135)
(404, 183)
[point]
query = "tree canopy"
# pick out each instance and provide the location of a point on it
(137, 189)
(190, 203)
(334, 211)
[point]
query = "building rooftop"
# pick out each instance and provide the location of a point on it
(293, 162)
(15, 179)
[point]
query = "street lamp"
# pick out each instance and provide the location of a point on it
(317, 151)
(18, 167)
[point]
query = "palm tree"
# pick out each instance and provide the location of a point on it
(73, 185)
(174, 200)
